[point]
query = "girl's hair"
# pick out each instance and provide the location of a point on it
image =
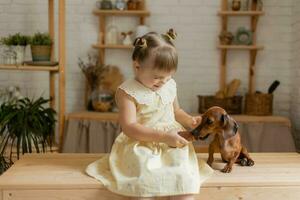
(159, 47)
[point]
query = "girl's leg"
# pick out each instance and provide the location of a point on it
(182, 197)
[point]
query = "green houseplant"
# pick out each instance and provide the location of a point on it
(41, 44)
(25, 125)
(16, 44)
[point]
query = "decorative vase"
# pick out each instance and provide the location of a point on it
(236, 5)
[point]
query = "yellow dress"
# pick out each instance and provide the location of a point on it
(147, 169)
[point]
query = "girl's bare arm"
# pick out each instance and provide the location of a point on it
(130, 126)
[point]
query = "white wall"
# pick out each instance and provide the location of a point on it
(295, 94)
(198, 27)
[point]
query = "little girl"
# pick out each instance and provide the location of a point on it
(149, 158)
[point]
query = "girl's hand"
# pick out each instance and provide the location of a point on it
(173, 139)
(196, 120)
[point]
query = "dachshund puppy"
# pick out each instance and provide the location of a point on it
(215, 121)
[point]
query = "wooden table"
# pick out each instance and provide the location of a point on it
(275, 176)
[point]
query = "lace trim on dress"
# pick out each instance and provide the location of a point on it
(144, 95)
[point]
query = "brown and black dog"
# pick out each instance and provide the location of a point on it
(215, 121)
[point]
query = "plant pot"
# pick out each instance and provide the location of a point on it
(41, 53)
(19, 53)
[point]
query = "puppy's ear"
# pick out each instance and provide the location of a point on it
(231, 130)
(224, 119)
(235, 127)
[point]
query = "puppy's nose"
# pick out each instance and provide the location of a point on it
(196, 131)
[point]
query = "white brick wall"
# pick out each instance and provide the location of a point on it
(198, 27)
(295, 91)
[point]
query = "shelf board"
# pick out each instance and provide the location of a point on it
(241, 47)
(29, 68)
(113, 116)
(112, 46)
(240, 13)
(141, 13)
(92, 115)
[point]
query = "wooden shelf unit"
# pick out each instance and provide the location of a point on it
(102, 47)
(254, 16)
(102, 14)
(53, 70)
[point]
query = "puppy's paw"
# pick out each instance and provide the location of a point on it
(209, 162)
(250, 162)
(186, 135)
(244, 162)
(226, 169)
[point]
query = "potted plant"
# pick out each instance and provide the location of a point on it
(25, 125)
(41, 44)
(16, 44)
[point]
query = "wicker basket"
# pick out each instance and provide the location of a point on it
(259, 104)
(233, 105)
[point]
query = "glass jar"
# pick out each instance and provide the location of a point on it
(105, 5)
(102, 100)
(112, 33)
(131, 5)
(120, 5)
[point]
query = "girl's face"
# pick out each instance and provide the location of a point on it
(153, 79)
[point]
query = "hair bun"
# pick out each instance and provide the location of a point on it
(140, 42)
(171, 34)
